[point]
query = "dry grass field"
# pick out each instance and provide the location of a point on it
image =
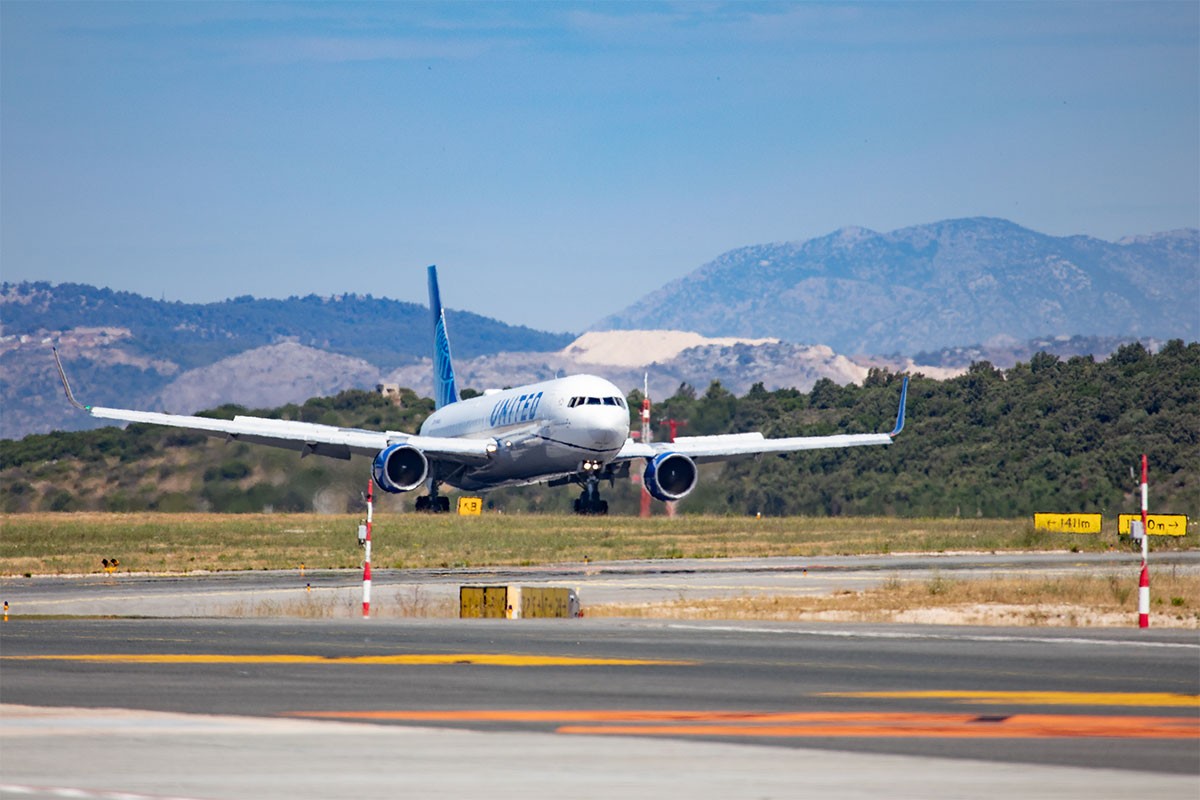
(74, 543)
(155, 543)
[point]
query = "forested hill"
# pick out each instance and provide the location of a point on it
(385, 332)
(1047, 435)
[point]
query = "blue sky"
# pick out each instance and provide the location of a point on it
(560, 160)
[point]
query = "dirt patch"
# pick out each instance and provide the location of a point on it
(1083, 600)
(977, 614)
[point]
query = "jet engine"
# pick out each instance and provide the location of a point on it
(670, 476)
(400, 468)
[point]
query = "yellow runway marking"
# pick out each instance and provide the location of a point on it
(1149, 699)
(801, 723)
(405, 659)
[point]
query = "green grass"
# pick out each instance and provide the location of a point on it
(49, 543)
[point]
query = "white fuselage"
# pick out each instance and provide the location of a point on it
(542, 431)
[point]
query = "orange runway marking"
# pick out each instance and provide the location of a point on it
(1154, 699)
(1030, 726)
(805, 723)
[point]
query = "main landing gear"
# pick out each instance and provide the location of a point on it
(433, 503)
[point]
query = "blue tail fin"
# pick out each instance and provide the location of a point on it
(900, 414)
(444, 389)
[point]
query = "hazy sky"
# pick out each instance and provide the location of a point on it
(559, 160)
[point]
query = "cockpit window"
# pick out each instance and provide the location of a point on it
(596, 401)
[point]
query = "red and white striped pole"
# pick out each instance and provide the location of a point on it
(367, 556)
(1144, 597)
(1144, 580)
(646, 435)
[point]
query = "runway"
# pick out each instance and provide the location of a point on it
(190, 691)
(593, 708)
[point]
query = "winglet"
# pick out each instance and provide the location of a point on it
(66, 384)
(445, 391)
(900, 414)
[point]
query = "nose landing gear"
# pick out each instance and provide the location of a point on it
(589, 502)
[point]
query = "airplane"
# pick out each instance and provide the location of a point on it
(571, 430)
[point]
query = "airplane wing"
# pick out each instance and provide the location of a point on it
(304, 437)
(734, 445)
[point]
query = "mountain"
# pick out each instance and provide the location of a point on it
(666, 359)
(122, 349)
(283, 373)
(936, 286)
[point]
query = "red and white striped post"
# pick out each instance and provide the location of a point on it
(367, 555)
(1144, 597)
(1144, 580)
(646, 436)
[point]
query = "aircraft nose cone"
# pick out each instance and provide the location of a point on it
(599, 437)
(608, 437)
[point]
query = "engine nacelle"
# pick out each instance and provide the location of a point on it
(400, 468)
(670, 476)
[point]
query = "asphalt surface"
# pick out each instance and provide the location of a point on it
(1085, 706)
(413, 592)
(181, 705)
